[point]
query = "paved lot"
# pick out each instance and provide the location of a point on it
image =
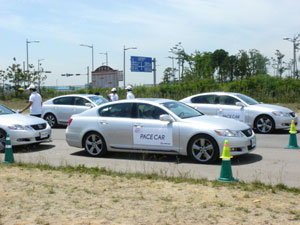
(270, 163)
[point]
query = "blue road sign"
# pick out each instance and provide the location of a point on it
(141, 64)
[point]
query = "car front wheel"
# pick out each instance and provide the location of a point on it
(264, 124)
(203, 148)
(51, 119)
(94, 144)
(2, 138)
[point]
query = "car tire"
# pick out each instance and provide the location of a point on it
(51, 120)
(2, 137)
(264, 124)
(203, 149)
(94, 144)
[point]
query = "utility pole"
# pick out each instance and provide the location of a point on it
(154, 71)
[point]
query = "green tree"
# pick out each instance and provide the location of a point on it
(218, 61)
(168, 75)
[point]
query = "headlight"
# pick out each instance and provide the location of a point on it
(19, 127)
(279, 113)
(230, 133)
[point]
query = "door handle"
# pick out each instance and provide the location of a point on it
(138, 125)
(103, 122)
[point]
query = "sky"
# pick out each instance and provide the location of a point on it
(153, 26)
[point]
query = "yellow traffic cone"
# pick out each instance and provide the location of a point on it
(226, 151)
(226, 172)
(293, 128)
(293, 139)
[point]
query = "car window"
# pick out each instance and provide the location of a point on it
(80, 101)
(4, 110)
(182, 110)
(147, 111)
(204, 99)
(227, 100)
(117, 110)
(63, 101)
(247, 99)
(98, 100)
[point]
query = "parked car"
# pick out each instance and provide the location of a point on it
(23, 129)
(58, 110)
(262, 117)
(157, 126)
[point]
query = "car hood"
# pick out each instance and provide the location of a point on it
(20, 119)
(216, 122)
(270, 108)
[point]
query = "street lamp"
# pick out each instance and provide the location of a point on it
(296, 44)
(92, 47)
(106, 54)
(125, 49)
(28, 42)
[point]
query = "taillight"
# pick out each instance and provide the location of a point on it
(70, 121)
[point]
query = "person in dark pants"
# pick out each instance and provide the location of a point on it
(35, 102)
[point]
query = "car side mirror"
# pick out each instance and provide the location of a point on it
(89, 105)
(166, 117)
(240, 104)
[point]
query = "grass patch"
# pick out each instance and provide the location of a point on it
(96, 171)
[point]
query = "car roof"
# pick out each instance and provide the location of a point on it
(77, 95)
(213, 93)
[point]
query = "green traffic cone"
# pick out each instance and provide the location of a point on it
(9, 155)
(292, 142)
(293, 139)
(226, 172)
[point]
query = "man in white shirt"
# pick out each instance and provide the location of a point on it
(113, 96)
(35, 102)
(130, 95)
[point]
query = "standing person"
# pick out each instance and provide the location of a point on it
(130, 95)
(35, 102)
(113, 96)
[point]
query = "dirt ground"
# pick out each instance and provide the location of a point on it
(33, 196)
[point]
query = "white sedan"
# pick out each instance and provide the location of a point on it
(23, 130)
(157, 126)
(262, 117)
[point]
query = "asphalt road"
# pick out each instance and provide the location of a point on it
(270, 163)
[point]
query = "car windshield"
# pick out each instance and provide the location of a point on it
(247, 99)
(182, 110)
(5, 111)
(98, 100)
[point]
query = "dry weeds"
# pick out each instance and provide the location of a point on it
(33, 196)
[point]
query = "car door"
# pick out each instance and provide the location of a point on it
(152, 134)
(228, 108)
(64, 108)
(205, 104)
(79, 105)
(115, 124)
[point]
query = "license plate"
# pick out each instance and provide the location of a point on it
(43, 134)
(253, 142)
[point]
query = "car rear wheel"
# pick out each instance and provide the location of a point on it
(2, 138)
(94, 144)
(264, 124)
(203, 148)
(51, 119)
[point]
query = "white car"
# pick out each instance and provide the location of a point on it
(157, 126)
(23, 130)
(262, 117)
(58, 110)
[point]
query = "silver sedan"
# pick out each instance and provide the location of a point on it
(262, 117)
(157, 126)
(58, 110)
(23, 130)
